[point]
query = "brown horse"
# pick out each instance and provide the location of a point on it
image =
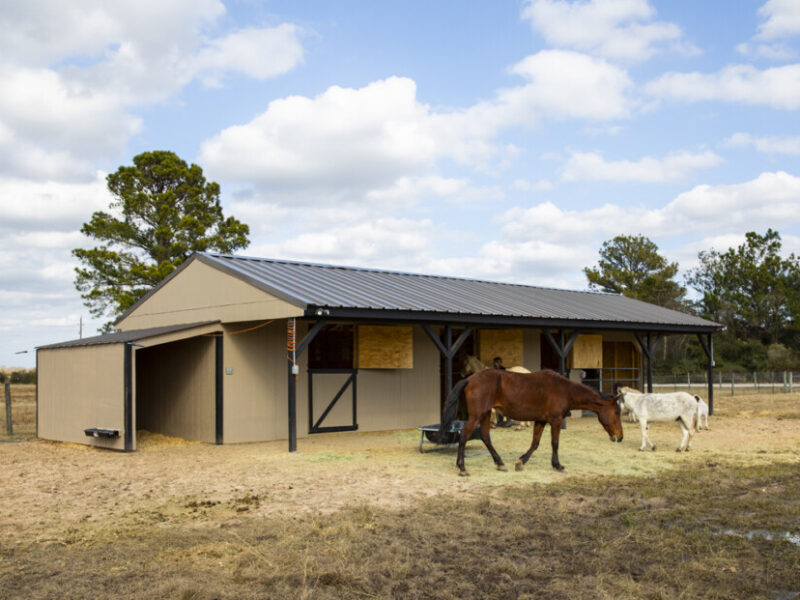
(542, 397)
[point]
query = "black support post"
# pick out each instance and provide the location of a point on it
(708, 347)
(128, 395)
(562, 348)
(294, 352)
(448, 349)
(648, 346)
(218, 387)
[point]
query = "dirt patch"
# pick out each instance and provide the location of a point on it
(354, 515)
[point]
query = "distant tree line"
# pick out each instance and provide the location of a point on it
(23, 376)
(752, 290)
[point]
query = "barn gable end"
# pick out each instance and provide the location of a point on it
(203, 293)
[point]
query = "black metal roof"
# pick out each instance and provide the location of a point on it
(350, 292)
(122, 337)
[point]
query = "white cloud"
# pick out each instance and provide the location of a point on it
(257, 53)
(409, 191)
(551, 242)
(354, 140)
(674, 167)
(783, 19)
(343, 137)
(770, 144)
(382, 243)
(38, 205)
(766, 51)
(777, 87)
(767, 201)
(72, 72)
(560, 82)
(615, 29)
(541, 185)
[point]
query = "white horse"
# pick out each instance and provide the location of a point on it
(702, 411)
(473, 364)
(676, 406)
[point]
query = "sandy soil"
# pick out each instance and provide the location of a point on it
(47, 488)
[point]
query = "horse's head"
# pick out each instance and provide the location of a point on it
(471, 365)
(610, 417)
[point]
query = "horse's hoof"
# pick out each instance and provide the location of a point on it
(653, 448)
(519, 465)
(641, 449)
(559, 468)
(464, 473)
(678, 450)
(502, 468)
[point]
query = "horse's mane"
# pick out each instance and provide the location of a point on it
(593, 396)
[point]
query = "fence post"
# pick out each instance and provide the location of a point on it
(755, 380)
(9, 426)
(791, 387)
(689, 381)
(720, 381)
(732, 388)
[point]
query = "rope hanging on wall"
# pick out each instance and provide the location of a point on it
(264, 324)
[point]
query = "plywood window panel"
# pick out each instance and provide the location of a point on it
(505, 343)
(587, 352)
(385, 347)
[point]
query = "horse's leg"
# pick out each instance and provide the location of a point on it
(555, 432)
(688, 434)
(487, 441)
(645, 439)
(466, 432)
(538, 428)
(537, 435)
(685, 431)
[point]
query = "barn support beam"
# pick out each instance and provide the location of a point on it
(294, 351)
(448, 350)
(562, 346)
(128, 395)
(648, 345)
(708, 347)
(218, 387)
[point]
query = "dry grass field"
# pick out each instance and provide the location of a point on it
(368, 516)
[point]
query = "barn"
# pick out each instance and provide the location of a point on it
(231, 349)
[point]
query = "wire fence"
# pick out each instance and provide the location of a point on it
(731, 383)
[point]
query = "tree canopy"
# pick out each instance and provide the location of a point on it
(751, 289)
(632, 266)
(163, 211)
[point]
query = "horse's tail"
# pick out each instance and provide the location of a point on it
(450, 408)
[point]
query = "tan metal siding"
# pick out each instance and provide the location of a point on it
(400, 398)
(81, 388)
(176, 389)
(203, 293)
(255, 393)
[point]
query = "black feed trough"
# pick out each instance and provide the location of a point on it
(452, 436)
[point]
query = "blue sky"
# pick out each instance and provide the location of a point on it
(496, 140)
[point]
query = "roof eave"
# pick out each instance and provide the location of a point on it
(331, 313)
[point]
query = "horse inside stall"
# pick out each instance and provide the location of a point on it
(544, 397)
(674, 406)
